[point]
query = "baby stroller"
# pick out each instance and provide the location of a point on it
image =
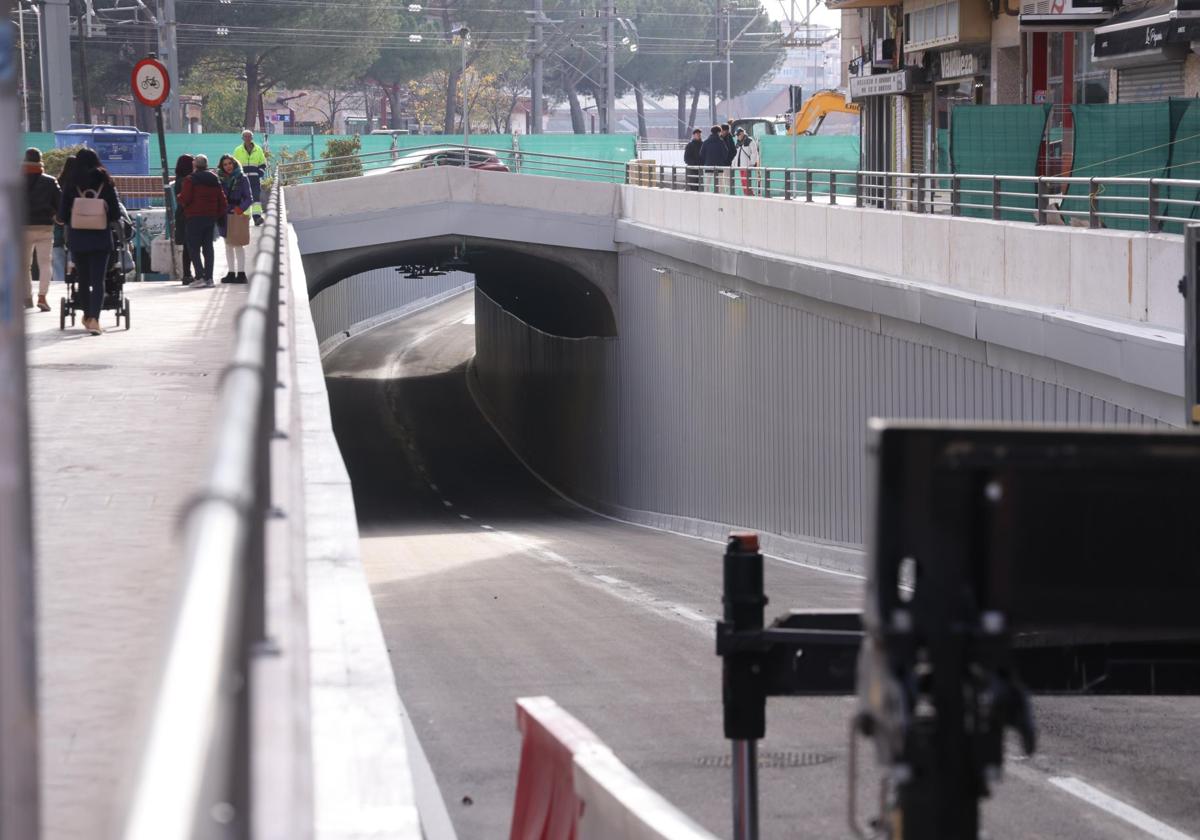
(119, 267)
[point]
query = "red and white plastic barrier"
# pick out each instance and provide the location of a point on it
(570, 786)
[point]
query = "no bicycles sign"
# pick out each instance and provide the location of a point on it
(151, 84)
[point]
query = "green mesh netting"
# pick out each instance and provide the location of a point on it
(812, 152)
(997, 140)
(1183, 162)
(1124, 140)
(377, 148)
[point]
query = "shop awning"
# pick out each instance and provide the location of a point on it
(1156, 31)
(838, 5)
(1064, 15)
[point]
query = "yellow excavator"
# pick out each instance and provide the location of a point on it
(822, 107)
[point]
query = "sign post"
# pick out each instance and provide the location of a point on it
(152, 86)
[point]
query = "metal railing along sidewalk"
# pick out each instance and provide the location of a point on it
(196, 775)
(1146, 204)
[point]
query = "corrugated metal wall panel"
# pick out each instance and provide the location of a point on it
(744, 411)
(372, 293)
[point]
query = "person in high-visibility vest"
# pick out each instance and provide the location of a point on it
(254, 164)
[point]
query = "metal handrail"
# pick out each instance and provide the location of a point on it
(190, 774)
(1033, 198)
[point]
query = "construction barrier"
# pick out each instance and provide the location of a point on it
(570, 786)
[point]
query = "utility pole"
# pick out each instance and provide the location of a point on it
(712, 95)
(539, 46)
(610, 68)
(85, 94)
(728, 60)
(58, 97)
(169, 54)
(19, 804)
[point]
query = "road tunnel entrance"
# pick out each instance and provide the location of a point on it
(565, 292)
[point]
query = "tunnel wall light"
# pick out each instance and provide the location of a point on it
(729, 293)
(660, 269)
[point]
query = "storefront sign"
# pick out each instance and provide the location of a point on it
(880, 84)
(956, 64)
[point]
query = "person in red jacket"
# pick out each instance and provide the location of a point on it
(203, 201)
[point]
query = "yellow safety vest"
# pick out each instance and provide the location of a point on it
(254, 157)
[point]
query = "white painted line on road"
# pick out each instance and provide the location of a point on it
(692, 615)
(609, 580)
(447, 504)
(463, 516)
(802, 565)
(1119, 809)
(486, 527)
(432, 486)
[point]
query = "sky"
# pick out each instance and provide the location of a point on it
(822, 16)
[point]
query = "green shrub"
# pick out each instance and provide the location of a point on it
(335, 169)
(55, 159)
(293, 167)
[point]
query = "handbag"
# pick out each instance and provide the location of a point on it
(89, 212)
(237, 229)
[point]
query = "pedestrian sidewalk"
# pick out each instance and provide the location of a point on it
(120, 436)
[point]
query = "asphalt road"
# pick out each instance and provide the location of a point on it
(490, 587)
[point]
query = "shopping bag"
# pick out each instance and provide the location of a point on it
(237, 229)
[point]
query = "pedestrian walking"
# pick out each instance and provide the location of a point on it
(89, 208)
(238, 199)
(184, 166)
(204, 202)
(42, 200)
(745, 158)
(714, 155)
(254, 163)
(691, 157)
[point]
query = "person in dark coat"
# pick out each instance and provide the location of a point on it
(42, 198)
(239, 197)
(184, 166)
(91, 250)
(714, 155)
(204, 202)
(691, 157)
(730, 143)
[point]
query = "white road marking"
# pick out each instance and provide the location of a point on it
(1119, 809)
(486, 527)
(433, 487)
(447, 504)
(612, 581)
(463, 516)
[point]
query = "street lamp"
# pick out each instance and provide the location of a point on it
(463, 33)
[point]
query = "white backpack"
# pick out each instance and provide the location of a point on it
(89, 211)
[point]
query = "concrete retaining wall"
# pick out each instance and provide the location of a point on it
(726, 404)
(1112, 274)
(373, 295)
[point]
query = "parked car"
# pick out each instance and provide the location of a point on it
(480, 159)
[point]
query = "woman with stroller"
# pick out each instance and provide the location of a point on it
(89, 237)
(239, 198)
(183, 168)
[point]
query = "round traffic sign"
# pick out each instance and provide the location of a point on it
(151, 84)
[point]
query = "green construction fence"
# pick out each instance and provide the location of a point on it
(997, 140)
(812, 152)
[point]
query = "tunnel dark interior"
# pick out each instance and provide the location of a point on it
(545, 287)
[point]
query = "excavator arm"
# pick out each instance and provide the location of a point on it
(818, 106)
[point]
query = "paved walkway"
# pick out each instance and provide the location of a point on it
(120, 438)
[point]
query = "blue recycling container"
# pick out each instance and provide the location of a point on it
(122, 150)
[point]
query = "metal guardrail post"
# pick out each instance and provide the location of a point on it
(858, 197)
(995, 198)
(808, 185)
(1190, 288)
(19, 788)
(1153, 220)
(787, 185)
(1093, 201)
(1042, 202)
(832, 187)
(955, 196)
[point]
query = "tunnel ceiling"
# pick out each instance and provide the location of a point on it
(542, 285)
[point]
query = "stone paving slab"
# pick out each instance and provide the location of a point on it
(121, 431)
